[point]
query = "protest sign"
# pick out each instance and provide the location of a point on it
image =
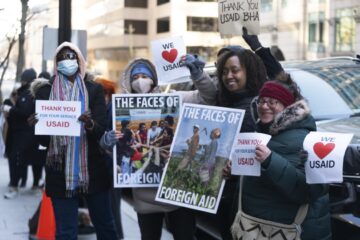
(236, 14)
(201, 147)
(148, 122)
(58, 118)
(167, 53)
(243, 155)
(326, 156)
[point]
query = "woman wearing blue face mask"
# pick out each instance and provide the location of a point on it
(75, 165)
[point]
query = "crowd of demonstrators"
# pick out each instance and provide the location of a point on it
(281, 189)
(21, 143)
(140, 77)
(75, 166)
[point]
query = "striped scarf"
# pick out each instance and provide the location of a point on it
(72, 150)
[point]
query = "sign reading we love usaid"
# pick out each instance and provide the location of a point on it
(167, 53)
(58, 118)
(236, 14)
(243, 160)
(326, 155)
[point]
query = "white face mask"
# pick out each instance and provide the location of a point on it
(142, 85)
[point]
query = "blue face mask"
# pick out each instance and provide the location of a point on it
(68, 67)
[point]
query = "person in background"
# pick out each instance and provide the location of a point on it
(7, 129)
(153, 132)
(281, 189)
(75, 166)
(115, 193)
(140, 77)
(22, 134)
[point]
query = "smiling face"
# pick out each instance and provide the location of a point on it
(234, 75)
(268, 108)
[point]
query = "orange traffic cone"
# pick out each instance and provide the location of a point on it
(46, 225)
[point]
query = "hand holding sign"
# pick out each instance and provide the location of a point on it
(195, 65)
(166, 54)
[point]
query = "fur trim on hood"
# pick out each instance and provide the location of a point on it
(125, 78)
(82, 62)
(37, 84)
(292, 113)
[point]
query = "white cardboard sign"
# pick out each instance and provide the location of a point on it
(167, 53)
(58, 118)
(243, 160)
(235, 14)
(326, 156)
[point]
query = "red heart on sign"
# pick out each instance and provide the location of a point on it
(170, 56)
(322, 150)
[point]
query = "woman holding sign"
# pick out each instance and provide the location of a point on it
(140, 77)
(281, 192)
(75, 165)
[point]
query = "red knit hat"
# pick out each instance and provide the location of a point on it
(278, 92)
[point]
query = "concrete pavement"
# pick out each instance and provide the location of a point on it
(15, 213)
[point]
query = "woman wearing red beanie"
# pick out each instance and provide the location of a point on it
(281, 189)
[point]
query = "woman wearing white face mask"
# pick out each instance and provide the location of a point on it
(140, 77)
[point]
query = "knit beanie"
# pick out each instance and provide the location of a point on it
(141, 68)
(28, 75)
(277, 91)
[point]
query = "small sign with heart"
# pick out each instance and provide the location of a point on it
(325, 156)
(167, 53)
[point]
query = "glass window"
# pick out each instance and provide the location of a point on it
(135, 27)
(316, 31)
(136, 3)
(266, 5)
(345, 30)
(159, 2)
(202, 24)
(163, 25)
(284, 3)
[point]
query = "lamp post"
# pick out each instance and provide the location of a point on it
(64, 33)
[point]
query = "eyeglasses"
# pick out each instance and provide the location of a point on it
(270, 102)
(64, 56)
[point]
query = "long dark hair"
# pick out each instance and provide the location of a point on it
(255, 74)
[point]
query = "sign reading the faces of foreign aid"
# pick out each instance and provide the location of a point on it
(236, 14)
(58, 118)
(167, 53)
(325, 156)
(148, 123)
(243, 160)
(200, 150)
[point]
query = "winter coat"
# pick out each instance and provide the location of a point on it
(23, 141)
(144, 198)
(281, 189)
(99, 177)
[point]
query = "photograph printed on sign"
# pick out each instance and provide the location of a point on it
(201, 147)
(148, 123)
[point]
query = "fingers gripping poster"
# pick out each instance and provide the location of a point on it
(147, 124)
(201, 147)
(235, 14)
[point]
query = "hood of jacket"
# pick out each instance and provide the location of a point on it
(81, 59)
(125, 77)
(293, 116)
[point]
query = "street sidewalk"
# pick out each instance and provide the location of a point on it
(15, 213)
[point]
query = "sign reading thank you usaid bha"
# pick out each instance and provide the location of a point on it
(326, 156)
(167, 54)
(147, 123)
(201, 147)
(236, 14)
(58, 118)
